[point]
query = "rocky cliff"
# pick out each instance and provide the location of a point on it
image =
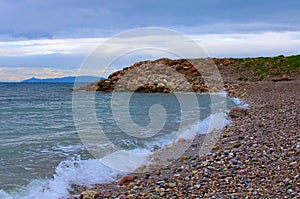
(160, 76)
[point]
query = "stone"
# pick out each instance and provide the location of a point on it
(181, 140)
(158, 172)
(242, 171)
(155, 147)
(225, 135)
(130, 185)
(126, 179)
(237, 112)
(170, 85)
(89, 194)
(160, 86)
(172, 185)
(283, 77)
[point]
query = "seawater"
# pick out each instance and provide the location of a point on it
(41, 152)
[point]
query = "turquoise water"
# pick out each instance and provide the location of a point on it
(41, 151)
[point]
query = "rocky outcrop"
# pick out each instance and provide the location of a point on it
(198, 75)
(159, 76)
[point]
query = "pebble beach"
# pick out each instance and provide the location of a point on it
(256, 156)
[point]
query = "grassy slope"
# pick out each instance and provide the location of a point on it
(262, 68)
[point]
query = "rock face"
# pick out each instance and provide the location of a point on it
(238, 112)
(161, 76)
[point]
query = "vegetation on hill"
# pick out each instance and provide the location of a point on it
(262, 68)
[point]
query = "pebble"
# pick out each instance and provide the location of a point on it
(172, 185)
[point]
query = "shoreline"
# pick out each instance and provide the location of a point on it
(256, 156)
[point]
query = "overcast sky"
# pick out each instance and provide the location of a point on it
(52, 38)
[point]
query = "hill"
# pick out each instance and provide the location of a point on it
(70, 79)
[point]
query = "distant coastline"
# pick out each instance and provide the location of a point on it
(69, 79)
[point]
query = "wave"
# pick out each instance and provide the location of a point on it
(73, 171)
(92, 171)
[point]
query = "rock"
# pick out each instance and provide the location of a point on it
(186, 67)
(170, 85)
(172, 185)
(130, 185)
(155, 147)
(89, 194)
(194, 172)
(157, 189)
(225, 135)
(216, 147)
(226, 62)
(160, 86)
(126, 179)
(176, 175)
(158, 172)
(283, 77)
(183, 158)
(242, 171)
(238, 112)
(181, 140)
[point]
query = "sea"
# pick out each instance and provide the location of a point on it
(43, 151)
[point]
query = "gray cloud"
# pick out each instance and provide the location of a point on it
(77, 18)
(58, 61)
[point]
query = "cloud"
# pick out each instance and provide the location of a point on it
(21, 73)
(67, 61)
(217, 44)
(23, 59)
(54, 19)
(47, 46)
(251, 45)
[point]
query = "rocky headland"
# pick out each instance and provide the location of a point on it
(257, 154)
(197, 75)
(159, 76)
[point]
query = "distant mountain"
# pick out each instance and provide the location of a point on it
(71, 79)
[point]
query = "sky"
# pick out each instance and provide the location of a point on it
(43, 38)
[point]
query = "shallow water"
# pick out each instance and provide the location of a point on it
(42, 153)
